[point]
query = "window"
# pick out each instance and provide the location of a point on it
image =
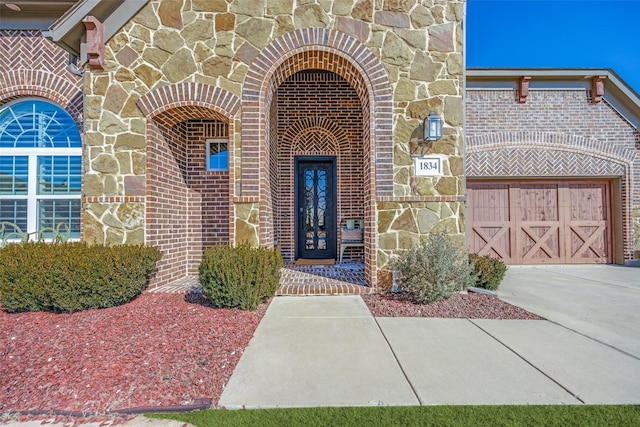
(217, 155)
(40, 168)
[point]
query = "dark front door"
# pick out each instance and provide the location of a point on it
(315, 207)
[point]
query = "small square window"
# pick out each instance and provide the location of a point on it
(217, 155)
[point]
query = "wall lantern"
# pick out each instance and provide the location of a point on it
(432, 127)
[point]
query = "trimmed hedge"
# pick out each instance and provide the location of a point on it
(490, 271)
(240, 277)
(69, 277)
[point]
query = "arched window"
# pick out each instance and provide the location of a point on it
(40, 168)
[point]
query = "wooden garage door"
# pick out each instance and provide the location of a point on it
(541, 222)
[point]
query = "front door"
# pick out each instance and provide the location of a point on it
(315, 207)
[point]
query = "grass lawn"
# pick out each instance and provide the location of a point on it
(476, 416)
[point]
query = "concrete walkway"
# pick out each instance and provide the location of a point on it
(330, 351)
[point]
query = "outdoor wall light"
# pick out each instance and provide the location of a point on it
(432, 127)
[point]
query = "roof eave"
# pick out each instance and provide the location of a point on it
(620, 95)
(68, 31)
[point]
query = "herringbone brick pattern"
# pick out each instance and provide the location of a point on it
(535, 162)
(29, 50)
(30, 65)
(555, 134)
(315, 141)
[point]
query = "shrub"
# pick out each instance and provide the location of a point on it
(240, 277)
(434, 270)
(68, 277)
(490, 271)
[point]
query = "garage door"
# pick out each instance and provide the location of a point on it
(541, 222)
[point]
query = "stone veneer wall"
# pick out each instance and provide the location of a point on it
(403, 58)
(556, 133)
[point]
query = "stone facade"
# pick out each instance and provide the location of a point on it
(181, 61)
(350, 79)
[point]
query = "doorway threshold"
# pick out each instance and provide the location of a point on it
(339, 279)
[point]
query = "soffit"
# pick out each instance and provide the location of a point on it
(617, 93)
(32, 14)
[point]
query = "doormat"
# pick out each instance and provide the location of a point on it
(303, 261)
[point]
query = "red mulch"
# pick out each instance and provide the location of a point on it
(465, 306)
(158, 350)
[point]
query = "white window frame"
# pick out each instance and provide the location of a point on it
(32, 196)
(208, 143)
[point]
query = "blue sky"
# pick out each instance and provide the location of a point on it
(556, 34)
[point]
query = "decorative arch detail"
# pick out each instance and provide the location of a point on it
(544, 154)
(314, 140)
(325, 133)
(326, 49)
(172, 104)
(21, 83)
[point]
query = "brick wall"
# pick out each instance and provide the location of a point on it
(31, 65)
(319, 114)
(187, 206)
(556, 133)
(208, 193)
(166, 210)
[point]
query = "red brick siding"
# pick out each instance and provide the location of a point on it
(167, 218)
(187, 206)
(319, 113)
(208, 202)
(555, 133)
(31, 65)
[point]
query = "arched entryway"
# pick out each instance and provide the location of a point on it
(187, 175)
(347, 79)
(319, 152)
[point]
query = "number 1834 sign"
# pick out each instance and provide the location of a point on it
(428, 166)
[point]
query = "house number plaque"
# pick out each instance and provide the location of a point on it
(428, 166)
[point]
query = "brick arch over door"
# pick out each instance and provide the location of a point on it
(187, 207)
(325, 49)
(329, 50)
(188, 100)
(554, 155)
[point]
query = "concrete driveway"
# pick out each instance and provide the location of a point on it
(601, 302)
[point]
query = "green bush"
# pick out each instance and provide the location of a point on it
(432, 271)
(68, 277)
(490, 271)
(240, 277)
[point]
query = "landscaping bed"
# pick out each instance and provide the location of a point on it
(158, 350)
(460, 305)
